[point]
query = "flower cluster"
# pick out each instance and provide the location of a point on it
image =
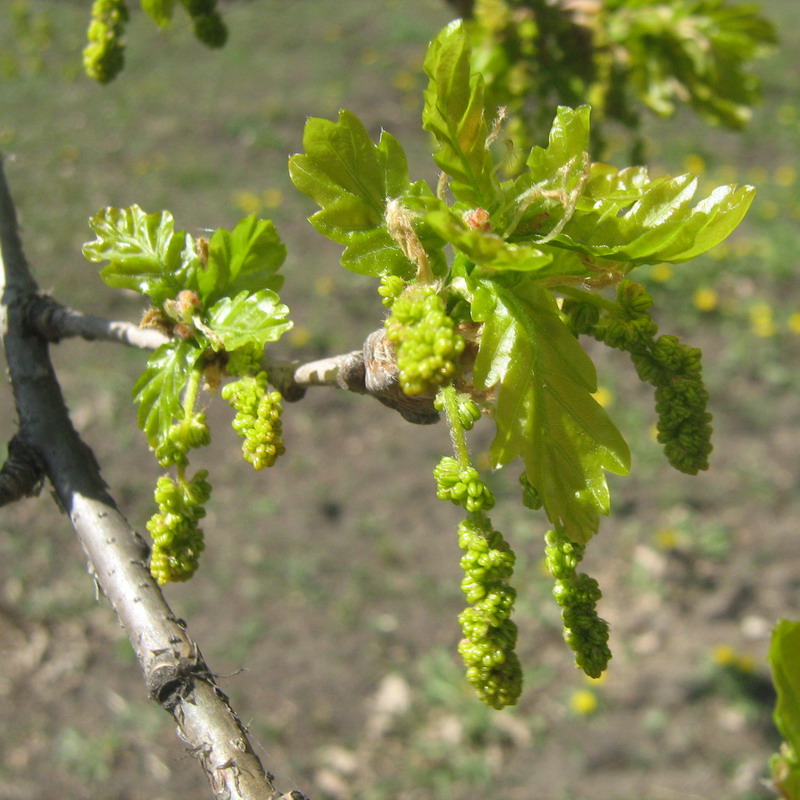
(673, 368)
(465, 409)
(426, 343)
(490, 636)
(462, 486)
(177, 541)
(391, 288)
(187, 435)
(104, 54)
(577, 594)
(208, 25)
(257, 420)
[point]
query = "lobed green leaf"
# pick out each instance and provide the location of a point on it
(248, 319)
(454, 114)
(543, 382)
(350, 178)
(143, 250)
(784, 659)
(246, 258)
(158, 389)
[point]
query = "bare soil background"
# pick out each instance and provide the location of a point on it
(328, 596)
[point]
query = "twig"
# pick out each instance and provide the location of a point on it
(174, 670)
(371, 370)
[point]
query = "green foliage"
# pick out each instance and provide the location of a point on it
(489, 282)
(784, 658)
(619, 56)
(209, 296)
(519, 250)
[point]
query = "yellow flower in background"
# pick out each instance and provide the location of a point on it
(405, 81)
(705, 299)
(794, 322)
(667, 539)
(661, 273)
(762, 322)
(724, 655)
(247, 201)
(272, 198)
(299, 336)
(583, 702)
(785, 175)
(695, 164)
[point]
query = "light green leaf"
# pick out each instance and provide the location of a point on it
(454, 114)
(351, 178)
(158, 390)
(544, 410)
(248, 319)
(159, 10)
(627, 218)
(784, 659)
(247, 257)
(143, 249)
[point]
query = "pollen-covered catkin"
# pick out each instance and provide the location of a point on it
(177, 540)
(462, 486)
(577, 594)
(426, 343)
(673, 368)
(257, 420)
(490, 636)
(104, 54)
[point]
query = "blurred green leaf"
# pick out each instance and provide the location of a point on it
(784, 659)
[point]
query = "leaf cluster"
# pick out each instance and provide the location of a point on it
(620, 56)
(215, 297)
(500, 252)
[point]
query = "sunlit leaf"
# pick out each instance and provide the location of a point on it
(158, 390)
(143, 250)
(543, 381)
(454, 113)
(248, 319)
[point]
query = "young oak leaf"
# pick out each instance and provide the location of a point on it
(637, 221)
(245, 258)
(454, 114)
(158, 390)
(544, 409)
(784, 660)
(143, 250)
(248, 319)
(351, 178)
